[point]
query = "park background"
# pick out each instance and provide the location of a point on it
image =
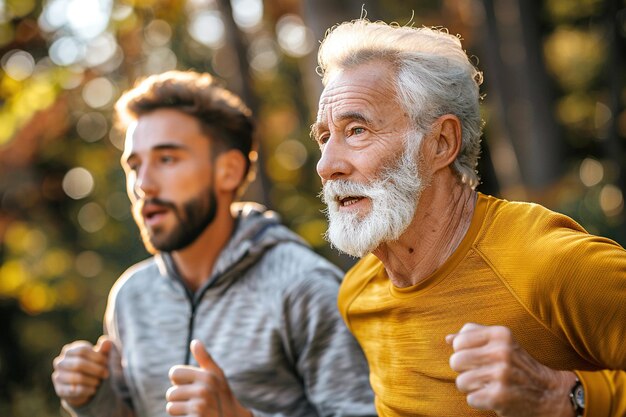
(555, 133)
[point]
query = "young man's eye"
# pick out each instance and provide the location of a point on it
(167, 159)
(130, 167)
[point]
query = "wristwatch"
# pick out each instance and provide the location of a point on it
(577, 398)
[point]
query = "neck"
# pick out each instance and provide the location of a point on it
(195, 262)
(442, 219)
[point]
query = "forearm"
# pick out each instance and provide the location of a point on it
(556, 400)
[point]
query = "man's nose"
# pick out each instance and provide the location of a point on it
(334, 160)
(145, 184)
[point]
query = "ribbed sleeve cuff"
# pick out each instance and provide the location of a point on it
(598, 393)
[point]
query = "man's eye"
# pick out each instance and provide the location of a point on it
(167, 159)
(323, 139)
(357, 131)
(131, 167)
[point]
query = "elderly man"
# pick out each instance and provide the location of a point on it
(464, 304)
(225, 279)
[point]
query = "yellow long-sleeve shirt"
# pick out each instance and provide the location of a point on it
(561, 291)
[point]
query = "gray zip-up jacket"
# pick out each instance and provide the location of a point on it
(267, 316)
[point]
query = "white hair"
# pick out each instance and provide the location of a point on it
(434, 76)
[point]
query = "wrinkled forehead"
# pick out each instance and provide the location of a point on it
(326, 97)
(366, 88)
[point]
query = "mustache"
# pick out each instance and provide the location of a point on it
(138, 206)
(334, 189)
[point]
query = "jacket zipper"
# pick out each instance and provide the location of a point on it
(190, 296)
(195, 303)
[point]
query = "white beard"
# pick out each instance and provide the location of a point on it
(394, 196)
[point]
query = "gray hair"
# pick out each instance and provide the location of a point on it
(434, 76)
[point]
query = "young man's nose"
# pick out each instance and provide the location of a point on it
(145, 185)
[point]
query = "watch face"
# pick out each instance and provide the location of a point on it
(579, 396)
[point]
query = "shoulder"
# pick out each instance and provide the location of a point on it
(135, 279)
(129, 287)
(294, 264)
(292, 279)
(523, 218)
(529, 241)
(527, 227)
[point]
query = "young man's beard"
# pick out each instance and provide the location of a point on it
(194, 216)
(394, 196)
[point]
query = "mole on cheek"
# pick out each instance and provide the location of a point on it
(410, 250)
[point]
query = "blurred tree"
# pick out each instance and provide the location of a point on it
(518, 83)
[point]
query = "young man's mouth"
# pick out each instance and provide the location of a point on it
(153, 213)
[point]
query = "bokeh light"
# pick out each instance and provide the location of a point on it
(78, 183)
(263, 54)
(568, 48)
(100, 50)
(293, 36)
(160, 60)
(86, 18)
(207, 28)
(56, 262)
(18, 64)
(117, 138)
(99, 92)
(591, 172)
(92, 126)
(92, 217)
(247, 13)
(36, 298)
(611, 200)
(121, 11)
(158, 33)
(291, 154)
(66, 50)
(54, 15)
(13, 274)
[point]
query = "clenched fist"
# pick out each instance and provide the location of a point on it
(497, 374)
(79, 369)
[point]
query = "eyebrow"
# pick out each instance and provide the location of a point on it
(353, 115)
(169, 147)
(160, 147)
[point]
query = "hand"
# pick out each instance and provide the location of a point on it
(201, 391)
(498, 374)
(79, 370)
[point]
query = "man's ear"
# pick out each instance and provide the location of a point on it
(230, 167)
(447, 137)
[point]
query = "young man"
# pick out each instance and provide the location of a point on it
(225, 278)
(464, 304)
